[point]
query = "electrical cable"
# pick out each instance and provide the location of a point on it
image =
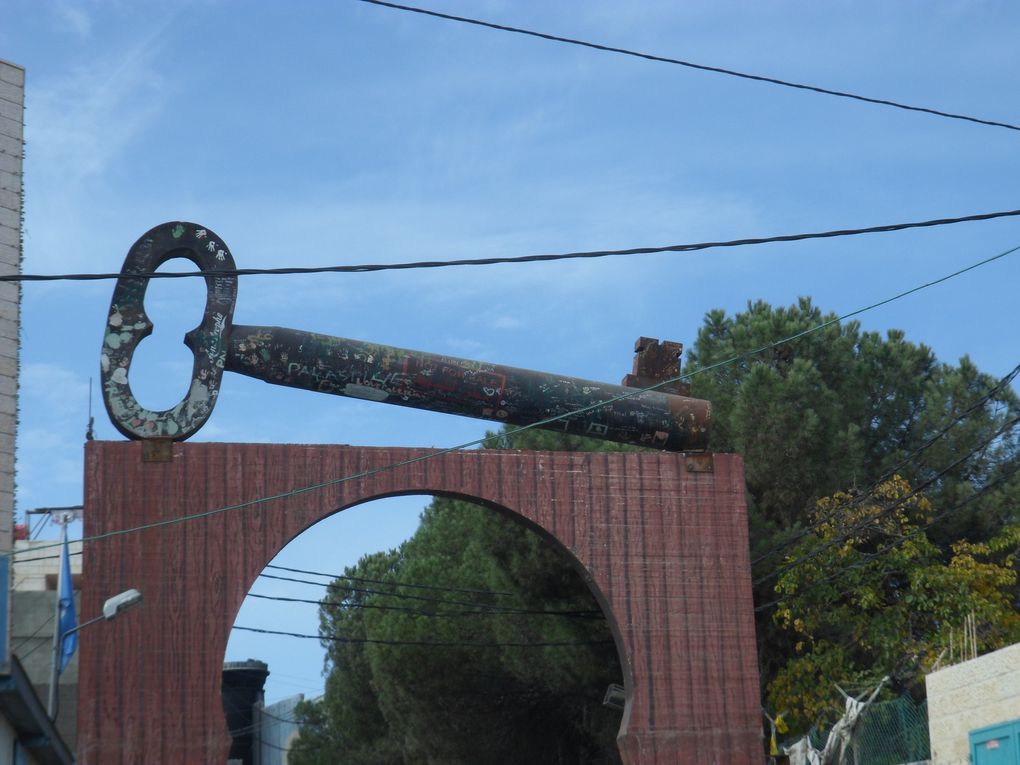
(428, 643)
(373, 267)
(547, 421)
(916, 491)
(872, 556)
(859, 499)
(403, 596)
(72, 553)
(38, 629)
(32, 650)
(482, 611)
(393, 584)
(868, 557)
(34, 533)
(271, 716)
(690, 64)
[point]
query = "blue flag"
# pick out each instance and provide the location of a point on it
(68, 617)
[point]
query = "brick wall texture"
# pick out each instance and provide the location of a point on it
(662, 542)
(970, 695)
(12, 103)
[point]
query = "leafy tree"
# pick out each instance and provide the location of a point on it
(838, 410)
(835, 413)
(482, 697)
(867, 593)
(347, 725)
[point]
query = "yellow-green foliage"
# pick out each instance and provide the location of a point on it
(868, 594)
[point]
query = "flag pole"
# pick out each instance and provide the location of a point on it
(51, 708)
(65, 638)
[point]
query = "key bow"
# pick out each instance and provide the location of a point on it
(127, 325)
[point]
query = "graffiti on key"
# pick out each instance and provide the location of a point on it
(663, 418)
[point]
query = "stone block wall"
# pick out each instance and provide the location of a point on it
(970, 695)
(12, 124)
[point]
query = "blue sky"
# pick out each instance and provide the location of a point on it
(338, 132)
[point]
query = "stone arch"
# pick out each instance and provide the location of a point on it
(661, 539)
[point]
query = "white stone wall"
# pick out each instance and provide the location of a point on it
(32, 564)
(12, 102)
(973, 694)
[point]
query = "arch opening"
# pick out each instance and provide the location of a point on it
(470, 634)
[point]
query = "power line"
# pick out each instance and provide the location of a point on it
(430, 643)
(372, 267)
(38, 629)
(814, 552)
(977, 406)
(868, 557)
(392, 584)
(480, 610)
(484, 607)
(72, 553)
(840, 539)
(548, 421)
(691, 64)
(399, 595)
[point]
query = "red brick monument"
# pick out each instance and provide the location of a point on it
(660, 537)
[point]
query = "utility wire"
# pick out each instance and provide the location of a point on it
(840, 539)
(72, 553)
(429, 643)
(39, 644)
(420, 598)
(868, 557)
(859, 499)
(398, 595)
(690, 64)
(391, 584)
(548, 421)
(371, 267)
(795, 562)
(478, 611)
(32, 637)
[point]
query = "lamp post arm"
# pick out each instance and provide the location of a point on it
(111, 608)
(79, 626)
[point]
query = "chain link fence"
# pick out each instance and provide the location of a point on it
(892, 733)
(888, 733)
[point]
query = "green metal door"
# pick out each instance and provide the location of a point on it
(996, 744)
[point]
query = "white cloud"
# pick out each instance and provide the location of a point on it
(506, 322)
(59, 390)
(76, 125)
(76, 19)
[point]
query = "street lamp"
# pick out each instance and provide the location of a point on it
(111, 608)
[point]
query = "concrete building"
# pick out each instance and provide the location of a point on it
(974, 710)
(33, 599)
(27, 736)
(278, 730)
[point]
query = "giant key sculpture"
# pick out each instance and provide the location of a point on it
(654, 418)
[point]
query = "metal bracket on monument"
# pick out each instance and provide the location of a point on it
(655, 361)
(659, 419)
(700, 463)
